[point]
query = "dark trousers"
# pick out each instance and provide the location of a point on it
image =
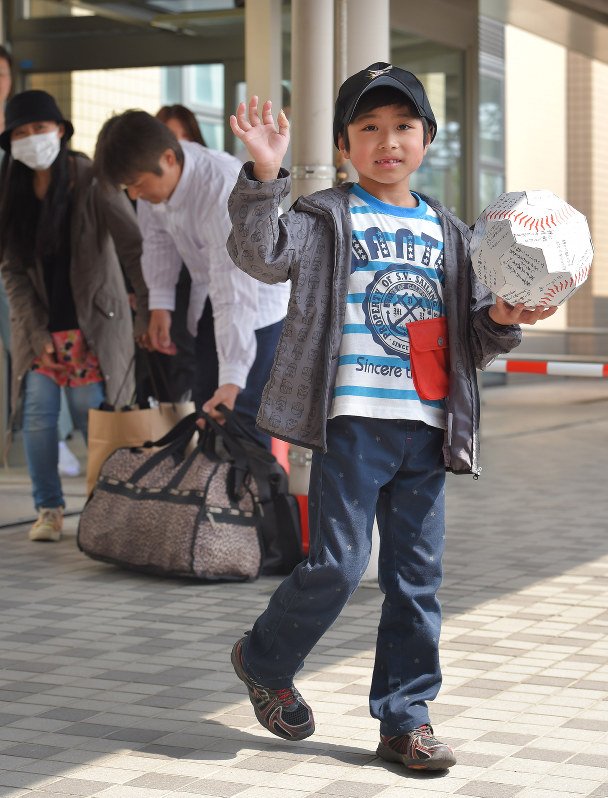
(169, 378)
(392, 469)
(207, 371)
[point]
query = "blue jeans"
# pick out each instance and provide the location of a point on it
(41, 404)
(392, 469)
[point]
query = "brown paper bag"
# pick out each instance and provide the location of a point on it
(111, 429)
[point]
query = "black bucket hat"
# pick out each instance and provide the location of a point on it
(380, 74)
(34, 105)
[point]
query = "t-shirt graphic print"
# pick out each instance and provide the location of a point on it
(396, 278)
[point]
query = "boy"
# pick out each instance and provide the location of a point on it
(362, 376)
(181, 190)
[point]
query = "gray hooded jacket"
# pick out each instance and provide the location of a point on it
(311, 246)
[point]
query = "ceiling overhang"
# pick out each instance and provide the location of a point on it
(579, 25)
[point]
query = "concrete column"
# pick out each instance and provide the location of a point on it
(263, 44)
(234, 73)
(312, 95)
(471, 127)
(362, 38)
(312, 104)
(583, 189)
(368, 33)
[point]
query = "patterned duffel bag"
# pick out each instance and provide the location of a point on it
(170, 509)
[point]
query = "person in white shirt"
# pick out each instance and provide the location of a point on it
(182, 192)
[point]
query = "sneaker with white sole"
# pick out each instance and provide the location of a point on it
(419, 749)
(49, 524)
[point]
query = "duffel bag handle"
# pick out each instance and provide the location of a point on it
(238, 454)
(187, 425)
(254, 450)
(174, 443)
(235, 425)
(270, 476)
(233, 444)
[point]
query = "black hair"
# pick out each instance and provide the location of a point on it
(379, 98)
(131, 143)
(6, 56)
(21, 212)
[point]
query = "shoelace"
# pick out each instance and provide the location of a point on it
(49, 515)
(286, 696)
(400, 743)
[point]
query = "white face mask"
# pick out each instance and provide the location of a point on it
(39, 151)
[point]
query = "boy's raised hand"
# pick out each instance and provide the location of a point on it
(266, 145)
(503, 313)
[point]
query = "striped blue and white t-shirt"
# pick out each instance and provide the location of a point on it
(396, 278)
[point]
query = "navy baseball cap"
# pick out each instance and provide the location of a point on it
(380, 74)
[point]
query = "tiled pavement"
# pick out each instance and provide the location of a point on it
(119, 685)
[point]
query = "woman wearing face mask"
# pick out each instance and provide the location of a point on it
(71, 323)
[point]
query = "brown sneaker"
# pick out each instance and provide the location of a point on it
(419, 749)
(49, 524)
(282, 711)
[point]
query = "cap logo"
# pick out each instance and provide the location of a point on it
(375, 73)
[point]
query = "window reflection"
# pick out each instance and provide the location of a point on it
(40, 9)
(491, 112)
(199, 87)
(89, 97)
(441, 69)
(491, 139)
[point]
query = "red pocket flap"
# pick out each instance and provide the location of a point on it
(430, 357)
(428, 334)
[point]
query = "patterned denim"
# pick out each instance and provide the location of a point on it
(393, 469)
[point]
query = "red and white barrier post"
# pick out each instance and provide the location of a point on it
(552, 368)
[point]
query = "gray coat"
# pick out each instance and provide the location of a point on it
(311, 245)
(103, 223)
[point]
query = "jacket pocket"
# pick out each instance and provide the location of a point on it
(430, 357)
(107, 303)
